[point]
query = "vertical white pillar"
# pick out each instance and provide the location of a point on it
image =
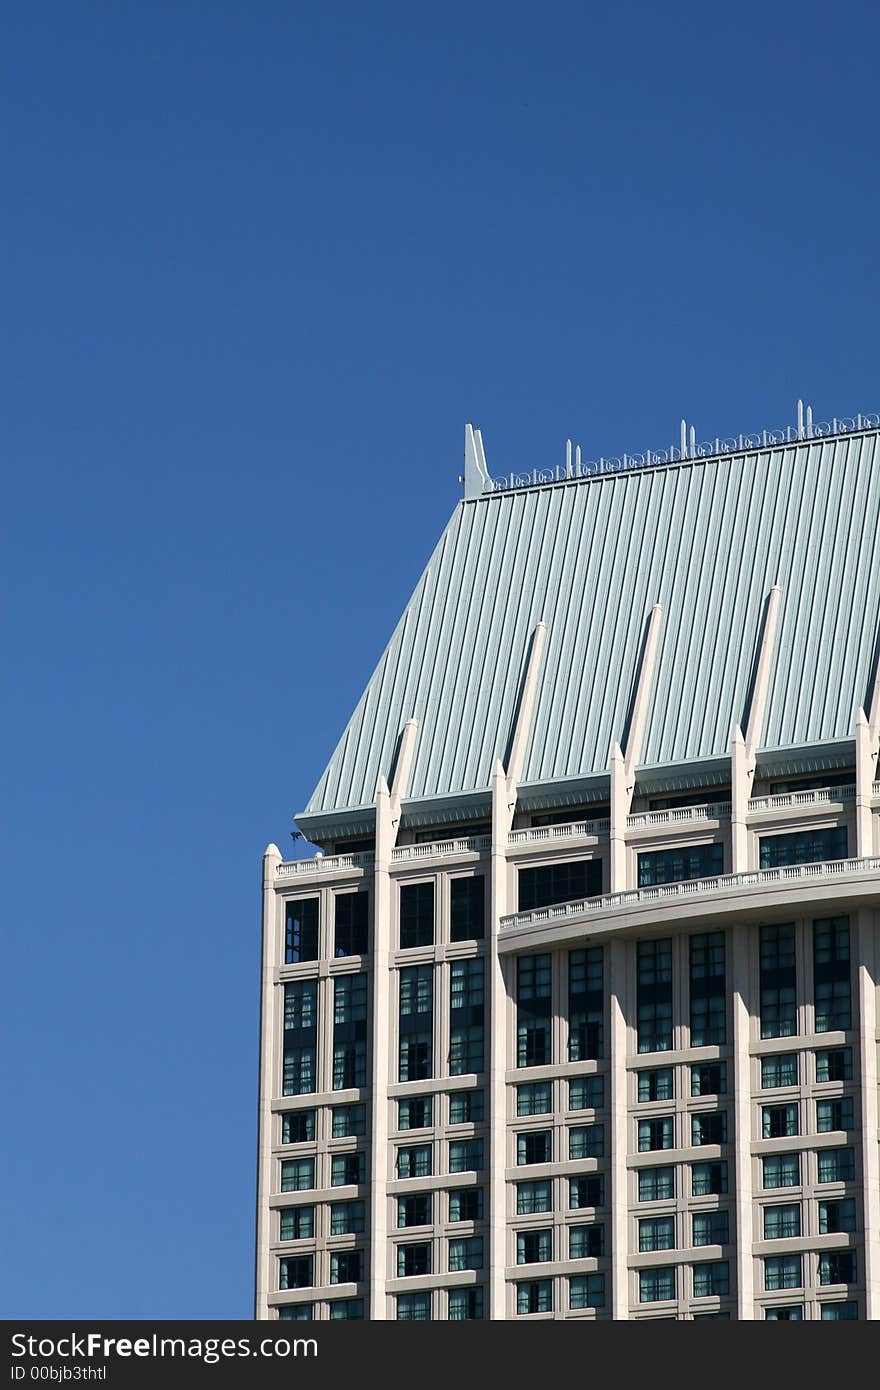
(742, 1120)
(269, 1050)
(864, 784)
(740, 791)
(868, 965)
(381, 1062)
(498, 1060)
(618, 1006)
(620, 804)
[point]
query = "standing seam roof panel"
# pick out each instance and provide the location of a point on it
(706, 539)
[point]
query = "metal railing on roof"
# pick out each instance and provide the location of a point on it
(714, 811)
(541, 834)
(325, 864)
(692, 888)
(576, 467)
(441, 849)
(818, 797)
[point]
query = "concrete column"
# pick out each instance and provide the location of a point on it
(868, 965)
(269, 1049)
(381, 1061)
(498, 1059)
(618, 1136)
(865, 765)
(620, 804)
(740, 791)
(741, 1085)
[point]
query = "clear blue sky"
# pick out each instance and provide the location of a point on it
(262, 262)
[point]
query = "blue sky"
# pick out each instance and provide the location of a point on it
(262, 263)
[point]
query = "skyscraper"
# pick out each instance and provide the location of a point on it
(575, 1012)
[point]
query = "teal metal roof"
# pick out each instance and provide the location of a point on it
(706, 538)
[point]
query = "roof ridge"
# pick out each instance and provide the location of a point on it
(576, 469)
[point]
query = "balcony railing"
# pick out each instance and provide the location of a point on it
(325, 864)
(713, 811)
(441, 849)
(693, 888)
(559, 834)
(821, 797)
(542, 834)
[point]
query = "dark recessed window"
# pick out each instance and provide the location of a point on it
(414, 1211)
(654, 995)
(656, 1285)
(466, 1252)
(708, 1179)
(804, 847)
(296, 1272)
(416, 915)
(346, 1266)
(534, 1147)
(835, 1217)
(677, 865)
(779, 1069)
(783, 1272)
(656, 1084)
(586, 1192)
(466, 1204)
(347, 1218)
(415, 1161)
(351, 925)
(834, 1064)
(465, 1304)
(298, 1127)
(783, 1222)
(781, 1170)
(534, 1296)
(656, 1184)
(708, 992)
(346, 1309)
(416, 1026)
(465, 1155)
(415, 1113)
(301, 930)
(586, 1291)
(711, 1280)
(297, 1223)
(711, 1228)
(533, 1000)
(831, 974)
(778, 982)
(465, 1107)
(655, 1133)
(348, 1121)
(300, 1037)
(836, 1165)
(657, 1233)
(467, 907)
(779, 1121)
(346, 1169)
(466, 1017)
(533, 1198)
(414, 1307)
(546, 884)
(297, 1174)
(586, 1242)
(709, 1079)
(413, 1260)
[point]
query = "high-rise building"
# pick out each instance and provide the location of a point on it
(575, 1013)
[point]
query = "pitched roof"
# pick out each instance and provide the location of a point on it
(705, 538)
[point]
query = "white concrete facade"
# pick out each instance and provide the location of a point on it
(557, 1223)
